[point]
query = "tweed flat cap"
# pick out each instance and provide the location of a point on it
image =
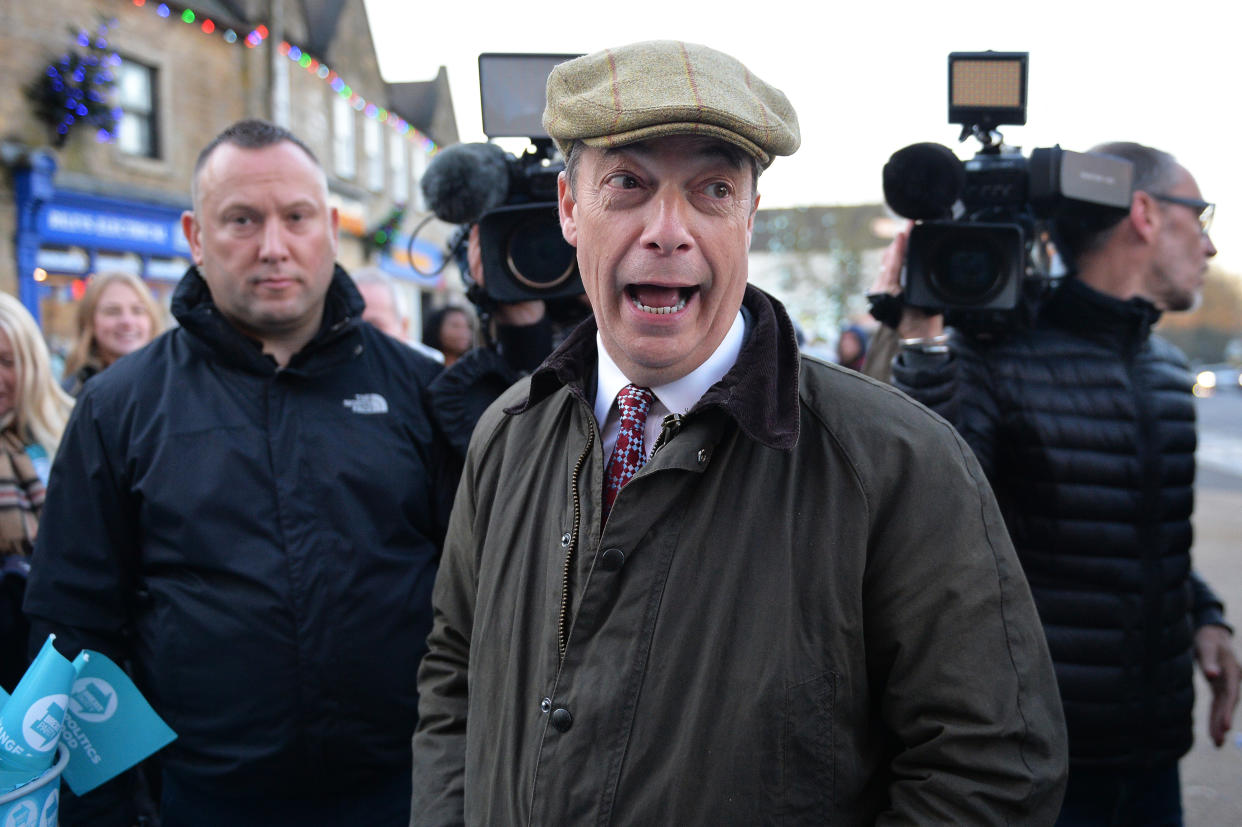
(666, 87)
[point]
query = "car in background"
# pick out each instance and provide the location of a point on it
(1219, 378)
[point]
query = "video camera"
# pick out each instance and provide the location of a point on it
(511, 198)
(981, 244)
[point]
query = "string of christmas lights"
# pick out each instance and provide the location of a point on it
(358, 102)
(259, 35)
(207, 25)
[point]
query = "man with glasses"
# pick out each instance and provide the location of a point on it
(1085, 426)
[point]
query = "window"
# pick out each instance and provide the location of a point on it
(374, 149)
(136, 132)
(420, 167)
(397, 167)
(343, 138)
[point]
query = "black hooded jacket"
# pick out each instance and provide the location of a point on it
(1085, 426)
(259, 542)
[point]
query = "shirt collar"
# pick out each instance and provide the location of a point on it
(760, 392)
(680, 395)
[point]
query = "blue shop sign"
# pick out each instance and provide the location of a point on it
(97, 222)
(402, 257)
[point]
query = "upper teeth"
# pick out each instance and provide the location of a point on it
(662, 310)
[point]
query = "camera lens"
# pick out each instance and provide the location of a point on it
(969, 272)
(537, 254)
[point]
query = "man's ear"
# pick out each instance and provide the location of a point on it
(192, 231)
(1145, 216)
(565, 207)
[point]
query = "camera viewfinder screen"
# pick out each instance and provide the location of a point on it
(989, 90)
(513, 92)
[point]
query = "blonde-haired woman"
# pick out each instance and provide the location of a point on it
(117, 315)
(33, 413)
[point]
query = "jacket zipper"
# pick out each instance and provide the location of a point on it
(562, 626)
(668, 429)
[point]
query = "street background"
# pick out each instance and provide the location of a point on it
(1211, 777)
(869, 78)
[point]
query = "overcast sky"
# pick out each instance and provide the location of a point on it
(867, 79)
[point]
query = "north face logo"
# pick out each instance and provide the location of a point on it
(367, 403)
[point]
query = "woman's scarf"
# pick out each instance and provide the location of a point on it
(21, 497)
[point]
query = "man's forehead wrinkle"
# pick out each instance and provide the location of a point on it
(296, 199)
(285, 197)
(703, 148)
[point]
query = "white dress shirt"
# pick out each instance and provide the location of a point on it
(676, 397)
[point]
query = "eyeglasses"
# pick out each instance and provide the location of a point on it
(1205, 209)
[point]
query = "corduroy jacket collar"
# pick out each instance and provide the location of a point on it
(760, 391)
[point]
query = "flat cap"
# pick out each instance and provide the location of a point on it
(667, 87)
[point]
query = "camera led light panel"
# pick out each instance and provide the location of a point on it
(987, 88)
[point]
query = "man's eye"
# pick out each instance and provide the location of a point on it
(623, 181)
(240, 220)
(719, 189)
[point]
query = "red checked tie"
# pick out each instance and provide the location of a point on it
(628, 454)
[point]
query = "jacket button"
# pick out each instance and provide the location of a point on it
(703, 455)
(565, 538)
(562, 720)
(612, 559)
(545, 705)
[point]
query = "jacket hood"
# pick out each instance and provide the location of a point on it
(760, 391)
(196, 311)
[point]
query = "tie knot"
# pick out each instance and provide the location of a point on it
(634, 401)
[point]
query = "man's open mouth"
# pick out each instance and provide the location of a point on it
(651, 298)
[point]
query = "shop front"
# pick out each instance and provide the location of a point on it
(63, 237)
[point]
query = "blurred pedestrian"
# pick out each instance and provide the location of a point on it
(852, 347)
(449, 331)
(250, 511)
(116, 316)
(384, 308)
(33, 412)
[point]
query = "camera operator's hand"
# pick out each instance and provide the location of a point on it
(1214, 651)
(915, 323)
(514, 314)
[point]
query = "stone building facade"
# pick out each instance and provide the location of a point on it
(74, 204)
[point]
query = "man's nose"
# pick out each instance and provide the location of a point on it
(1209, 249)
(668, 227)
(275, 245)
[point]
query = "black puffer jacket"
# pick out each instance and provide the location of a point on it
(1085, 426)
(260, 542)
